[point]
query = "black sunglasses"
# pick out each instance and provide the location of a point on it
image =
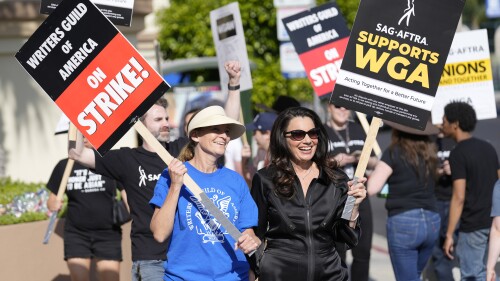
(298, 135)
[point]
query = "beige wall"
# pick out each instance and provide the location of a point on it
(28, 116)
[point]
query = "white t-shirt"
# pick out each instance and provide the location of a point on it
(233, 153)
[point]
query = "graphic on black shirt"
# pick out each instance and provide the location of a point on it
(90, 196)
(85, 181)
(147, 177)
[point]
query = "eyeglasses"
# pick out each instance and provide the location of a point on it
(338, 107)
(298, 135)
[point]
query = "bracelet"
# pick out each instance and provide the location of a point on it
(233, 88)
(354, 220)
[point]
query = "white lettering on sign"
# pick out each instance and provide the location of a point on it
(73, 18)
(55, 37)
(44, 49)
(302, 22)
(116, 91)
(328, 35)
(325, 73)
(77, 58)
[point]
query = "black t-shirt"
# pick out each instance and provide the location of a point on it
(475, 161)
(407, 190)
(351, 139)
(137, 170)
(90, 196)
(444, 184)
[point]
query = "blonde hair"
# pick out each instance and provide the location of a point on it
(187, 152)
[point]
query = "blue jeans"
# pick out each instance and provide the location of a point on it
(472, 253)
(411, 236)
(442, 265)
(147, 270)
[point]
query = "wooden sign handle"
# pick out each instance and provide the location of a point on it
(69, 164)
(364, 123)
(165, 156)
(363, 162)
(244, 136)
(62, 185)
(371, 139)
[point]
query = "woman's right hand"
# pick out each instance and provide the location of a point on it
(358, 190)
(54, 204)
(176, 170)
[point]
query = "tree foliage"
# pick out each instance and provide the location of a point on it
(185, 33)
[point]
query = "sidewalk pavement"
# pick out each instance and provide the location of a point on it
(380, 263)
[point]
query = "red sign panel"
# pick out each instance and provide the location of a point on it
(320, 36)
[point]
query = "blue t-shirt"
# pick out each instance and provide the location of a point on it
(196, 251)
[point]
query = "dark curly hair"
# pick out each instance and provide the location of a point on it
(463, 113)
(280, 152)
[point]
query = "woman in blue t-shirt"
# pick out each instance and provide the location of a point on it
(409, 166)
(200, 249)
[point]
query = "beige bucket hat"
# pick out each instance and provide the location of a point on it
(213, 116)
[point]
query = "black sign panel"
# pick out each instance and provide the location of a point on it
(395, 57)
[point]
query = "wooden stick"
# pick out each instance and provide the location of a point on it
(363, 162)
(371, 139)
(69, 165)
(165, 156)
(62, 185)
(244, 136)
(364, 123)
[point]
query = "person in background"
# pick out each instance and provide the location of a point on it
(409, 166)
(284, 102)
(300, 197)
(474, 171)
(346, 141)
(233, 157)
(442, 266)
(494, 243)
(199, 250)
(138, 169)
(89, 232)
(261, 127)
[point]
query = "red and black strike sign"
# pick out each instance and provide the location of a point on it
(91, 71)
(320, 37)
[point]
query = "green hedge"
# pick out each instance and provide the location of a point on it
(9, 189)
